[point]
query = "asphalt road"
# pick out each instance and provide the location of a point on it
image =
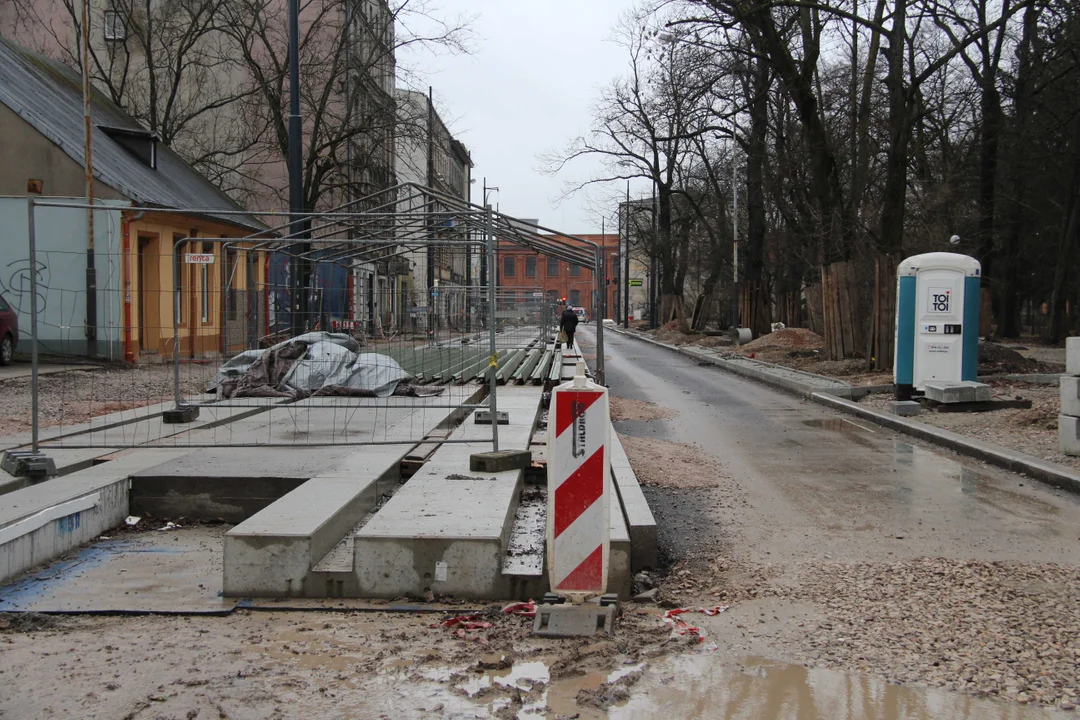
(797, 482)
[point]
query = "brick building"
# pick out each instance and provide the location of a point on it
(531, 272)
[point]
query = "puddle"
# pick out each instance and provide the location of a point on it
(695, 687)
(851, 430)
(706, 687)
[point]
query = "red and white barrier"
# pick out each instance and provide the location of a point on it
(579, 488)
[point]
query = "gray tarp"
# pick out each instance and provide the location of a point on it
(317, 363)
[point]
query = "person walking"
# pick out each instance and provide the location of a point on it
(568, 324)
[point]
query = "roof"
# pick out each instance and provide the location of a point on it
(48, 96)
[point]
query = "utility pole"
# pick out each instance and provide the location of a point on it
(432, 292)
(297, 224)
(734, 243)
(88, 163)
(654, 270)
(626, 265)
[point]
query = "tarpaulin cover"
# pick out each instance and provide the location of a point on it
(317, 363)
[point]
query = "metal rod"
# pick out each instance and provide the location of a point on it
(600, 374)
(298, 289)
(178, 274)
(88, 164)
(31, 233)
(494, 363)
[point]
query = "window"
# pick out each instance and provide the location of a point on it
(530, 266)
(115, 29)
(575, 298)
(508, 266)
(553, 267)
(4, 307)
(575, 270)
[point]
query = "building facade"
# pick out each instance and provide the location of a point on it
(522, 273)
(150, 296)
(433, 286)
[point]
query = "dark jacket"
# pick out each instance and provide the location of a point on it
(568, 320)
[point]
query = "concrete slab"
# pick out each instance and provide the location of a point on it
(905, 408)
(983, 392)
(640, 523)
(567, 620)
(1072, 356)
(23, 369)
(272, 553)
(41, 522)
(949, 392)
(447, 529)
(333, 421)
(1070, 395)
(1069, 434)
(175, 571)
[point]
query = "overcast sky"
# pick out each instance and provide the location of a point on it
(526, 90)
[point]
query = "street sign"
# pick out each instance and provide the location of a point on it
(579, 489)
(199, 258)
(635, 282)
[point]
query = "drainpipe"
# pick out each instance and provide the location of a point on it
(125, 231)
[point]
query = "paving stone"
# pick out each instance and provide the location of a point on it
(949, 392)
(906, 408)
(1072, 356)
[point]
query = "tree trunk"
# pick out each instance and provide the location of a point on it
(1010, 261)
(988, 159)
(759, 320)
(891, 235)
(1057, 324)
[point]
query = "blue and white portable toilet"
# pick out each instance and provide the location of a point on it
(937, 321)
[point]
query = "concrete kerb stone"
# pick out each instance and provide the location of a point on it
(1048, 472)
(1072, 356)
(1069, 434)
(1070, 396)
(761, 374)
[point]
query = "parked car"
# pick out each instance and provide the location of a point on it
(582, 316)
(9, 332)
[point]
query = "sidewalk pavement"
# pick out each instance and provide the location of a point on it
(838, 395)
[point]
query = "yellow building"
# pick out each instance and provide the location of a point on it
(166, 273)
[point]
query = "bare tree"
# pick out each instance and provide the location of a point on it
(169, 65)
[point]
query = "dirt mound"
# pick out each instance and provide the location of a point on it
(999, 359)
(786, 339)
(660, 463)
(627, 409)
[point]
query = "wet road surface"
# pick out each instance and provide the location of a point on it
(818, 485)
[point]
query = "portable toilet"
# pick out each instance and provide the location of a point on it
(937, 321)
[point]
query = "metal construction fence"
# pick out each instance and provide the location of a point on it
(363, 328)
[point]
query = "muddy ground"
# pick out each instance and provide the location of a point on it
(856, 575)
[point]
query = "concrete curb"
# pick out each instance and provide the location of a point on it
(803, 390)
(1048, 472)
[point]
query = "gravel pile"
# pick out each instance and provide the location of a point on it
(985, 628)
(73, 397)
